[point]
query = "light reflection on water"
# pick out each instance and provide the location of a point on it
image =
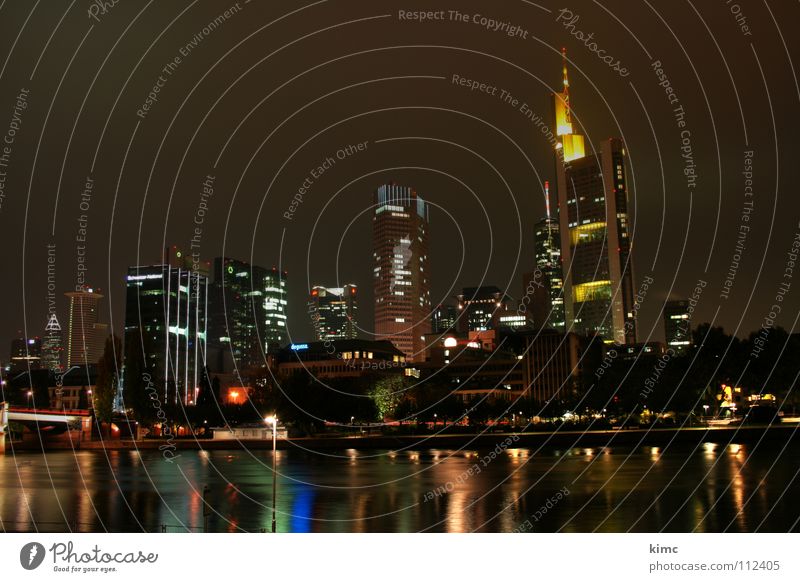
(712, 488)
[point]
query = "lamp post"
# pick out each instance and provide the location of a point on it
(273, 420)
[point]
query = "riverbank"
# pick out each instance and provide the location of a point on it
(559, 440)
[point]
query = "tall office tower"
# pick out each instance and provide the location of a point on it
(334, 312)
(177, 258)
(443, 319)
(678, 325)
(26, 354)
(401, 270)
(593, 215)
(51, 345)
(482, 307)
(237, 315)
(275, 335)
(165, 319)
(83, 329)
(548, 278)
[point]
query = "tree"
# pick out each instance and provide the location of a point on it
(105, 390)
(387, 394)
(138, 384)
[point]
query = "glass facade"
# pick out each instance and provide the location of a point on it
(237, 314)
(275, 334)
(165, 314)
(334, 312)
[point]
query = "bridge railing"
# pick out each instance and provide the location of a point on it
(64, 411)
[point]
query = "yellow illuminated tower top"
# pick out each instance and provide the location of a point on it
(572, 143)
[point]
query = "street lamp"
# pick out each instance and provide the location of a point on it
(30, 395)
(273, 420)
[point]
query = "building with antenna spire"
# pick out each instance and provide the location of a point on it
(51, 345)
(572, 144)
(593, 225)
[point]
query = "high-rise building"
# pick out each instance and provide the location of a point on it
(275, 306)
(177, 258)
(165, 317)
(678, 325)
(401, 271)
(334, 312)
(547, 282)
(85, 335)
(511, 319)
(481, 307)
(26, 354)
(443, 319)
(237, 315)
(52, 348)
(593, 220)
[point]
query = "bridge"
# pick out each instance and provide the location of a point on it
(43, 420)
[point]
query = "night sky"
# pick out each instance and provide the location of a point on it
(263, 97)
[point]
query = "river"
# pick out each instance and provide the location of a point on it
(709, 488)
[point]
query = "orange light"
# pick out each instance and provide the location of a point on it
(237, 395)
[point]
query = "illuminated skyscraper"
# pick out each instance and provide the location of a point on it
(237, 314)
(678, 325)
(334, 312)
(443, 319)
(482, 307)
(400, 269)
(593, 218)
(275, 335)
(26, 354)
(85, 336)
(165, 319)
(548, 277)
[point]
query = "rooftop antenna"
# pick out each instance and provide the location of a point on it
(566, 84)
(547, 197)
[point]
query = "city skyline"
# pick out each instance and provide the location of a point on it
(666, 248)
(346, 267)
(588, 224)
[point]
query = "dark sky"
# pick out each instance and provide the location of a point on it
(278, 87)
